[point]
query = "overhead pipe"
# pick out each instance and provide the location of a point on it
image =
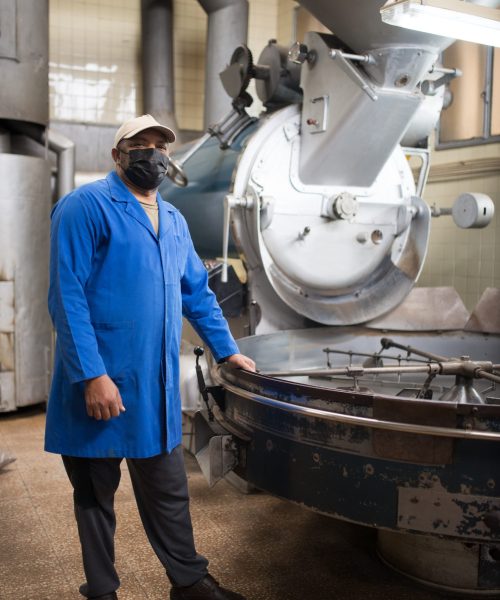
(65, 152)
(158, 90)
(227, 28)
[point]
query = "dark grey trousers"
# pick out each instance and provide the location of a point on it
(161, 493)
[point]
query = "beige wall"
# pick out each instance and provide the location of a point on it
(284, 31)
(190, 25)
(94, 73)
(467, 259)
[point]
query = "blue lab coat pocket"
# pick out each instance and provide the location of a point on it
(114, 340)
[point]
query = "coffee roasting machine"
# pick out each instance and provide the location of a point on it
(376, 402)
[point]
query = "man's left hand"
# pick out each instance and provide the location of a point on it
(240, 361)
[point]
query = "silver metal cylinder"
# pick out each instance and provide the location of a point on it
(158, 60)
(25, 329)
(227, 28)
(358, 24)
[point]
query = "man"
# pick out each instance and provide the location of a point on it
(123, 273)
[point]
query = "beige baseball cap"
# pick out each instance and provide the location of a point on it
(134, 126)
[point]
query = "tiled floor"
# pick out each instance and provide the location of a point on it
(265, 548)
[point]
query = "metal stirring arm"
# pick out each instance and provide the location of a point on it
(388, 343)
(467, 368)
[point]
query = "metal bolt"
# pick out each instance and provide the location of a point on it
(402, 80)
(306, 232)
(298, 53)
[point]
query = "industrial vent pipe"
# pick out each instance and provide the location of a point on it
(63, 147)
(158, 60)
(227, 29)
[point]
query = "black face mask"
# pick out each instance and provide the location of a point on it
(146, 168)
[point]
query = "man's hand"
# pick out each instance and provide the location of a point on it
(102, 398)
(241, 361)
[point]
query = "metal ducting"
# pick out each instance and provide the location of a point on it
(358, 24)
(158, 60)
(25, 203)
(65, 151)
(227, 29)
(58, 143)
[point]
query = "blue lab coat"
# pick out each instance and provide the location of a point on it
(117, 296)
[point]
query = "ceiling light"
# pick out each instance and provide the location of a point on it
(448, 18)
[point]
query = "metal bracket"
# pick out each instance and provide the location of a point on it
(230, 202)
(216, 391)
(355, 75)
(215, 450)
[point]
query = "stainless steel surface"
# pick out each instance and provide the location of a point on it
(351, 148)
(304, 346)
(473, 211)
(382, 247)
(426, 309)
(463, 392)
(324, 207)
(157, 56)
(215, 450)
(24, 45)
(355, 420)
(486, 314)
(24, 234)
(227, 29)
(358, 24)
(424, 120)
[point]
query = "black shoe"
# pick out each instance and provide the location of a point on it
(205, 589)
(84, 591)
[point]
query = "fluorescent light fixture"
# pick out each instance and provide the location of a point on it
(448, 18)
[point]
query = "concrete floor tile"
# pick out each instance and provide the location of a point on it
(137, 557)
(131, 589)
(12, 484)
(31, 571)
(45, 591)
(263, 547)
(155, 584)
(41, 461)
(18, 517)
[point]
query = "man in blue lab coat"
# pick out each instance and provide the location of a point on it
(123, 273)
